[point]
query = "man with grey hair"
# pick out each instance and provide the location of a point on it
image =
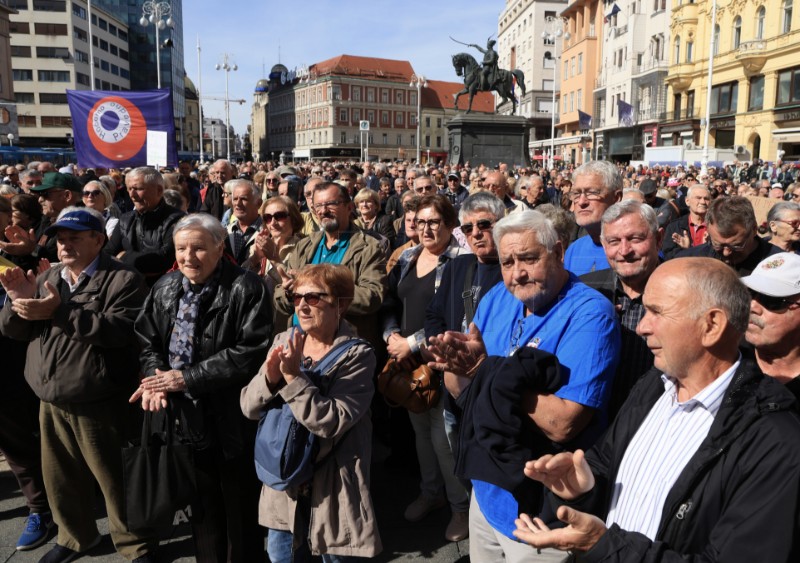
(597, 185)
(30, 178)
(497, 183)
(703, 461)
(221, 171)
(146, 232)
(688, 230)
(247, 223)
(77, 319)
(733, 236)
(631, 240)
(531, 191)
(539, 305)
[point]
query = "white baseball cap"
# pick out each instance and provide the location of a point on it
(777, 275)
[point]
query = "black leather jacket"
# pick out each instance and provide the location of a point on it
(147, 240)
(735, 501)
(231, 342)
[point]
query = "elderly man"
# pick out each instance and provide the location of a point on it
(703, 462)
(310, 219)
(221, 171)
(497, 183)
(631, 239)
(340, 242)
(597, 185)
(688, 230)
(146, 232)
(454, 191)
(540, 306)
(531, 189)
(774, 327)
(246, 202)
(423, 185)
(30, 179)
(732, 236)
(82, 364)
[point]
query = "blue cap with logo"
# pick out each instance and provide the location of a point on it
(76, 220)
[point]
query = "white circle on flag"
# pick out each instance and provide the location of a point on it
(122, 128)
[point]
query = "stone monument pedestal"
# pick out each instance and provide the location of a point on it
(489, 140)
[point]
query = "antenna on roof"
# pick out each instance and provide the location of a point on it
(279, 51)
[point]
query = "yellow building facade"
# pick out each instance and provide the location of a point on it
(755, 92)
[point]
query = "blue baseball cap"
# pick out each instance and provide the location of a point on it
(76, 220)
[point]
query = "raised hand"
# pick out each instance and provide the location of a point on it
(568, 475)
(458, 353)
(40, 309)
(291, 355)
(151, 400)
(582, 533)
(19, 242)
(18, 284)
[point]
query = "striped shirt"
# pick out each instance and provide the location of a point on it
(659, 451)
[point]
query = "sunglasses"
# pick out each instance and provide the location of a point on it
(483, 226)
(92, 193)
(773, 304)
(273, 181)
(278, 216)
(312, 298)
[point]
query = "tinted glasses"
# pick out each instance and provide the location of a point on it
(483, 225)
(773, 304)
(312, 298)
(278, 216)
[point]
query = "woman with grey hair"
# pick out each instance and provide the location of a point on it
(203, 331)
(784, 224)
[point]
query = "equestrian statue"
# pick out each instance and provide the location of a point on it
(487, 77)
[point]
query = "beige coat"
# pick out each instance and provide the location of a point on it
(342, 516)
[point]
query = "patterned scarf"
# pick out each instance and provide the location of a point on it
(182, 341)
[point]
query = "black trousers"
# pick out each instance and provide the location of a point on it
(227, 530)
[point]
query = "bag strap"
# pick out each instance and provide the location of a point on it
(469, 303)
(331, 357)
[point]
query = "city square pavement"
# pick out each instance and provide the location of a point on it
(393, 489)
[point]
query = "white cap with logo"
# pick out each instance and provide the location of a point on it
(777, 275)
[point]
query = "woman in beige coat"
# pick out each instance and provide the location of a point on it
(339, 520)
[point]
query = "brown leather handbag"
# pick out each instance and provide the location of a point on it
(418, 391)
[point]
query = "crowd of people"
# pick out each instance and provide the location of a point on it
(615, 350)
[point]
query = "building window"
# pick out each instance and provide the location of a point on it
(337, 92)
(20, 5)
(22, 75)
(356, 93)
(124, 73)
(580, 63)
(385, 139)
(384, 118)
(543, 105)
(547, 84)
(52, 52)
(78, 11)
(677, 47)
(761, 15)
(548, 61)
(789, 86)
(723, 98)
(53, 76)
(398, 118)
(676, 106)
(102, 24)
(412, 98)
(689, 51)
(343, 137)
(427, 121)
(786, 24)
(104, 65)
(123, 54)
(370, 95)
(690, 104)
(756, 98)
(427, 140)
(26, 120)
(438, 142)
(112, 29)
(384, 96)
(371, 117)
(45, 98)
(356, 115)
(122, 35)
(50, 5)
(736, 39)
(399, 140)
(398, 97)
(56, 121)
(20, 51)
(81, 78)
(20, 28)
(438, 122)
(113, 50)
(81, 56)
(412, 119)
(50, 28)
(413, 140)
(24, 98)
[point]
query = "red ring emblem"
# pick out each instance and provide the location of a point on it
(128, 136)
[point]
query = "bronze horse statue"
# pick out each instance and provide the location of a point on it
(466, 66)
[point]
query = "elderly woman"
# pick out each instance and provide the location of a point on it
(784, 224)
(370, 216)
(96, 196)
(412, 284)
(337, 504)
(203, 329)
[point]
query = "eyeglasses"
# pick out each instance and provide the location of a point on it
(433, 224)
(483, 225)
(48, 194)
(719, 246)
(423, 189)
(793, 224)
(92, 193)
(226, 194)
(326, 204)
(312, 298)
(773, 304)
(591, 195)
(278, 216)
(272, 181)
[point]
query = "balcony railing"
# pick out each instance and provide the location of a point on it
(600, 81)
(651, 114)
(683, 113)
(751, 47)
(651, 64)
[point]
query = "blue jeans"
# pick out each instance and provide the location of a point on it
(279, 548)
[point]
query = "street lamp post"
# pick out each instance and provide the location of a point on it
(419, 82)
(10, 139)
(227, 67)
(711, 49)
(554, 29)
(157, 13)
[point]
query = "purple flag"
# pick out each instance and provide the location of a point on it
(110, 127)
(584, 121)
(625, 113)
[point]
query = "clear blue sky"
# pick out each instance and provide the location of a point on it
(310, 31)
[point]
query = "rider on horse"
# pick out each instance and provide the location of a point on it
(490, 59)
